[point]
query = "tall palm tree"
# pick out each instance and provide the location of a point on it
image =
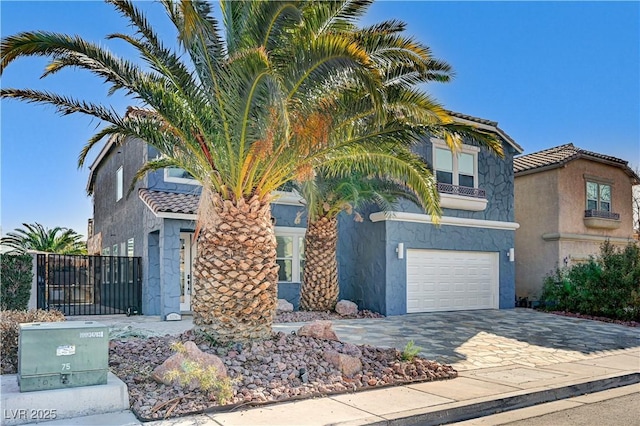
(39, 238)
(240, 106)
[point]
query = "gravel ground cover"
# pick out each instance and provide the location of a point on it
(285, 367)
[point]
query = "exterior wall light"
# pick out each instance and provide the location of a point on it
(400, 250)
(511, 254)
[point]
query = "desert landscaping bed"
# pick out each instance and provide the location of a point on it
(285, 367)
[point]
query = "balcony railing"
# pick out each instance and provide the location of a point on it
(465, 191)
(602, 214)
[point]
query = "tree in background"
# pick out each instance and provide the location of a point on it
(39, 238)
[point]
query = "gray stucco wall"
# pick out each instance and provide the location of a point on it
(119, 220)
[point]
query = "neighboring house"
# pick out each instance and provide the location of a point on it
(568, 202)
(461, 264)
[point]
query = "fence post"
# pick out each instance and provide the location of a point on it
(33, 296)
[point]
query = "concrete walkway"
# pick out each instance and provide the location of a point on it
(506, 360)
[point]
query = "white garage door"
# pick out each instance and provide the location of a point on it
(446, 280)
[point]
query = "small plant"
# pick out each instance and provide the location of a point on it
(204, 378)
(410, 351)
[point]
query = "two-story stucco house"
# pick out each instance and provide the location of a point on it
(568, 202)
(395, 263)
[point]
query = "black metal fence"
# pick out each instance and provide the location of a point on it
(89, 285)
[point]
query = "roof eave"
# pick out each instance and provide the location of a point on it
(482, 124)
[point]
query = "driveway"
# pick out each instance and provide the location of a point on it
(492, 338)
(467, 340)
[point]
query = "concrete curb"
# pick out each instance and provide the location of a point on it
(59, 404)
(482, 409)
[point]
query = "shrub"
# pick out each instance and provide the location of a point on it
(205, 378)
(15, 285)
(410, 351)
(607, 286)
(10, 331)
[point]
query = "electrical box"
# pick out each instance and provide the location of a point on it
(55, 355)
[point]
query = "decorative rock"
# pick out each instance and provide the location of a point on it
(348, 365)
(319, 330)
(346, 308)
(284, 306)
(191, 353)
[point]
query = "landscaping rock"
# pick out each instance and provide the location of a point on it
(319, 330)
(347, 364)
(191, 353)
(346, 308)
(284, 306)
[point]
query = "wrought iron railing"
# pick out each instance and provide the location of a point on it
(602, 214)
(447, 188)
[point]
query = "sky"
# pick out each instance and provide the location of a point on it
(549, 73)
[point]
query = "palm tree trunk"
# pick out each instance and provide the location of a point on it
(235, 270)
(319, 291)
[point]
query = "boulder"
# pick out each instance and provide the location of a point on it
(284, 306)
(346, 308)
(318, 329)
(191, 353)
(347, 364)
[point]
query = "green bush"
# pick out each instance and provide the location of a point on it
(607, 286)
(15, 281)
(10, 331)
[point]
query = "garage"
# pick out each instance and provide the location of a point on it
(447, 280)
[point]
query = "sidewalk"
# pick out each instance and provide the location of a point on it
(506, 360)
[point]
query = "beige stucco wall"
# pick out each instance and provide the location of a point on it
(553, 202)
(572, 185)
(536, 207)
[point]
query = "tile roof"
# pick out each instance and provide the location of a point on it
(560, 155)
(169, 202)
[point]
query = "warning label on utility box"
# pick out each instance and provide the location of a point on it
(65, 350)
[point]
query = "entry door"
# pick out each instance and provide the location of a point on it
(187, 254)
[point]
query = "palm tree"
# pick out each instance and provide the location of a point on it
(39, 238)
(403, 63)
(243, 110)
(325, 198)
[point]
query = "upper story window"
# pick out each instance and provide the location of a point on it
(290, 254)
(460, 169)
(598, 196)
(119, 184)
(178, 175)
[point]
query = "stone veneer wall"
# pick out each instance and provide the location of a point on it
(370, 272)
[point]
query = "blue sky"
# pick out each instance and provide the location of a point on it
(548, 72)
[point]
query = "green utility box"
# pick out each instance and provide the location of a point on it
(54, 355)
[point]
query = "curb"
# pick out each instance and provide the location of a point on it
(482, 409)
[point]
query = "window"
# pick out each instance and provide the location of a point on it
(106, 265)
(178, 175)
(130, 247)
(598, 196)
(290, 254)
(456, 169)
(119, 184)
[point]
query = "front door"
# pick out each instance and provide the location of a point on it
(187, 253)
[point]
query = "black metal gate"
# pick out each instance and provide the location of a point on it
(89, 285)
